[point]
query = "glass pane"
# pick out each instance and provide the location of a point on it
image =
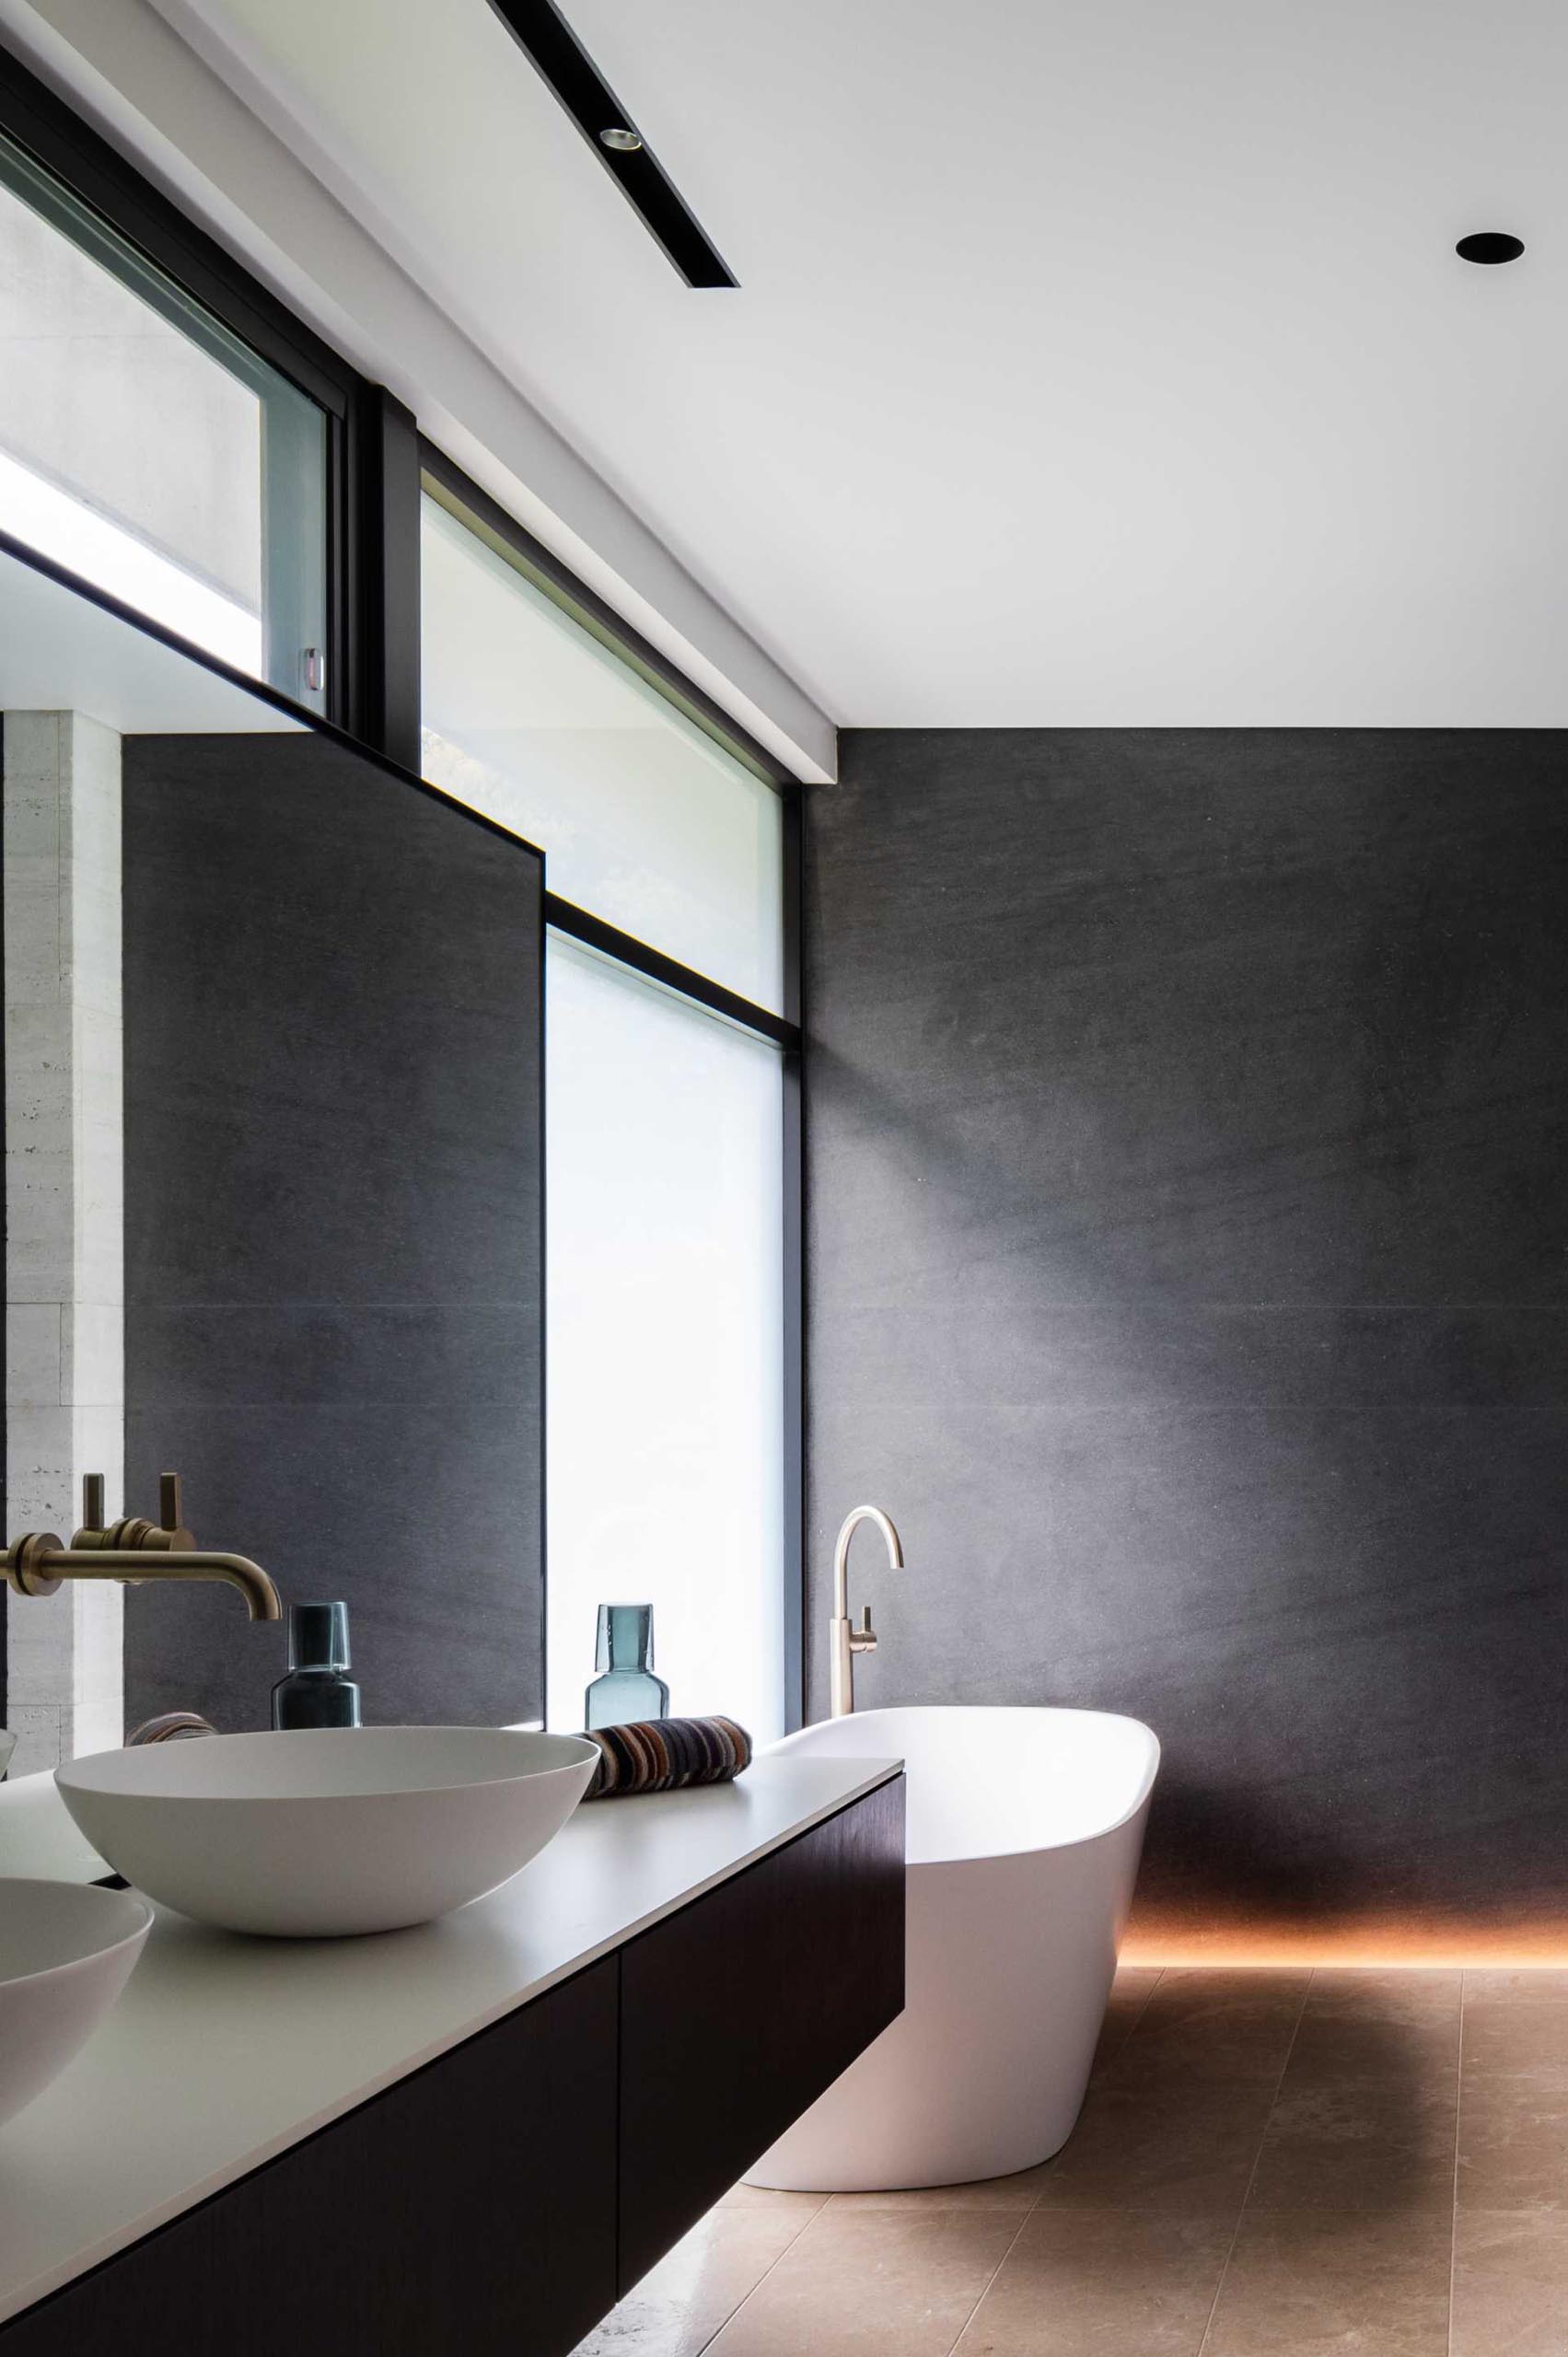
(146, 449)
(664, 1413)
(643, 819)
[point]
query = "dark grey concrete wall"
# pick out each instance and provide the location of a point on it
(332, 1132)
(1189, 1275)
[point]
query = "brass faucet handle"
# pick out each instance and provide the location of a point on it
(172, 1533)
(97, 1530)
(864, 1639)
(133, 1533)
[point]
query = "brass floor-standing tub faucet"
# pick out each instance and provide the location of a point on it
(845, 1639)
(131, 1551)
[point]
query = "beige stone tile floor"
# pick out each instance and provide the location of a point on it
(1269, 2163)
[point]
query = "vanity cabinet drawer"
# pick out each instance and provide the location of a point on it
(469, 2209)
(739, 2010)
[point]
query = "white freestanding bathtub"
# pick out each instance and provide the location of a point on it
(1025, 1828)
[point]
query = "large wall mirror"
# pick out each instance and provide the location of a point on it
(274, 1217)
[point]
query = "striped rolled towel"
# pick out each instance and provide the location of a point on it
(660, 1755)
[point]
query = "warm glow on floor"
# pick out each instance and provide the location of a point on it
(1497, 1948)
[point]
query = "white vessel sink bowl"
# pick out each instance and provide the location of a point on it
(320, 1833)
(66, 1951)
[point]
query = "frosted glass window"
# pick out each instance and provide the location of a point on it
(664, 1347)
(146, 449)
(643, 819)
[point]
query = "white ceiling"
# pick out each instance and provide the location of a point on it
(1106, 365)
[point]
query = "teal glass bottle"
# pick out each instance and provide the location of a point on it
(627, 1689)
(316, 1693)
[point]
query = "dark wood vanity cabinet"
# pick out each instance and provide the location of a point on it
(496, 2202)
(737, 2012)
(468, 2209)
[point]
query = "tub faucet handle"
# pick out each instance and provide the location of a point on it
(864, 1639)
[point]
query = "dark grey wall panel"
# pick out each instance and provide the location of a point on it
(1189, 1275)
(332, 1008)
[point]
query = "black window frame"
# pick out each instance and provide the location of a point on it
(786, 1032)
(371, 470)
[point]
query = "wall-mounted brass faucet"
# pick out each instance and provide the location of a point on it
(36, 1564)
(848, 1640)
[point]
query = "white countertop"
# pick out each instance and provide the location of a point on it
(225, 2051)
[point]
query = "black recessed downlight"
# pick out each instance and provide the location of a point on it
(1489, 245)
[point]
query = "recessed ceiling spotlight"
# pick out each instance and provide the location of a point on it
(1489, 245)
(605, 121)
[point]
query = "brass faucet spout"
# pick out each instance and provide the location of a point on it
(262, 1600)
(133, 1549)
(37, 1564)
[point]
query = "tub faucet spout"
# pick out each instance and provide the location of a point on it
(848, 1640)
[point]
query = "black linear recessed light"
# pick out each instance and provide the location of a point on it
(545, 37)
(1489, 245)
